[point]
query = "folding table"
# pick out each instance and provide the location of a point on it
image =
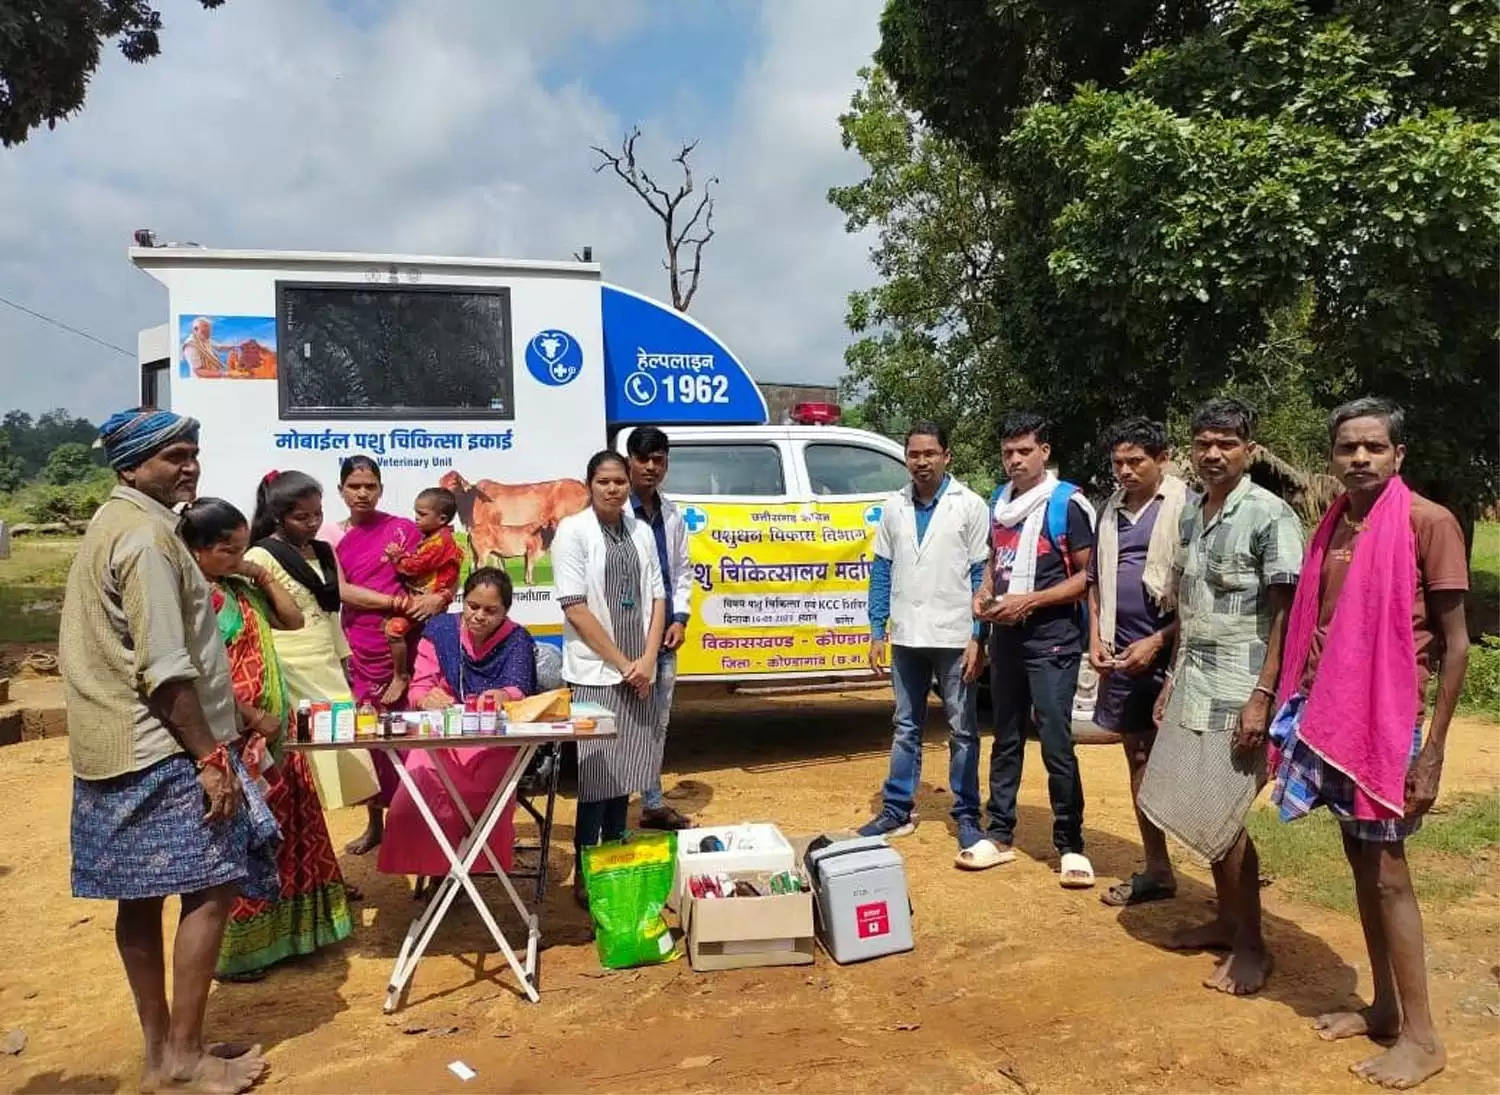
(526, 739)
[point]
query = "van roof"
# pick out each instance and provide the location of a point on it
(149, 257)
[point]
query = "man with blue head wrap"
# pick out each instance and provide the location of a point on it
(160, 805)
(129, 438)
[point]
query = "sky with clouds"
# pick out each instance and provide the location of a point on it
(442, 128)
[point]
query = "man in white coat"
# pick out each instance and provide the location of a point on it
(930, 550)
(647, 450)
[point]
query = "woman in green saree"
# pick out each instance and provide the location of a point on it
(313, 908)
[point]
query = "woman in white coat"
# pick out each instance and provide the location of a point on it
(609, 586)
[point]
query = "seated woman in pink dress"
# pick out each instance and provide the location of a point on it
(479, 654)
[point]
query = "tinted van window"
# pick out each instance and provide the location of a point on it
(703, 469)
(852, 469)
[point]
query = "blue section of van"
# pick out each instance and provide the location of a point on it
(660, 367)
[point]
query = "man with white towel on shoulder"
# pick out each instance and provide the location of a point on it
(1041, 540)
(1133, 622)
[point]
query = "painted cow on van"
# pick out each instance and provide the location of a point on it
(513, 520)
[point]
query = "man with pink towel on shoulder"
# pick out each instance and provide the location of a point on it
(1381, 602)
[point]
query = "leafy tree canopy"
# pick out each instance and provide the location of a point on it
(32, 440)
(1292, 200)
(50, 48)
(971, 66)
(11, 474)
(72, 462)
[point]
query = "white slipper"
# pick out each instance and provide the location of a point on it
(1077, 872)
(982, 855)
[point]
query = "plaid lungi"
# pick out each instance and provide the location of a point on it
(1198, 788)
(1305, 781)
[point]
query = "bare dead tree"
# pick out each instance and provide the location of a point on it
(685, 234)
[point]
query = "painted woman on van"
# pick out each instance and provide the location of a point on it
(312, 909)
(362, 556)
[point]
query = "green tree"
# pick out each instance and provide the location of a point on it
(1288, 198)
(50, 48)
(32, 440)
(11, 474)
(973, 66)
(69, 463)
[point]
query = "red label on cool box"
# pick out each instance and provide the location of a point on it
(873, 919)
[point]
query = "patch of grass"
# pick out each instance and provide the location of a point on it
(1481, 694)
(1307, 856)
(1486, 557)
(39, 560)
(31, 587)
(1484, 580)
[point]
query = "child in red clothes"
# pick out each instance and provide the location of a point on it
(432, 568)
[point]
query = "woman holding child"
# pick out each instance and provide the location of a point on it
(371, 537)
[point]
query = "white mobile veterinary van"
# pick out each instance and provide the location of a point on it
(498, 379)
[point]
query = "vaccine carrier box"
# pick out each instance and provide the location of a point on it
(862, 903)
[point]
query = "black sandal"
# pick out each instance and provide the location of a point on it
(1137, 890)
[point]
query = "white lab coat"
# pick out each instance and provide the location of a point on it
(578, 552)
(932, 602)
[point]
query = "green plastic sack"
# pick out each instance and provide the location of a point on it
(628, 882)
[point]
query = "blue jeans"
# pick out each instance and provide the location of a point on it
(1023, 684)
(666, 684)
(912, 671)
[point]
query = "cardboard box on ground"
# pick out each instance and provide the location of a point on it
(729, 933)
(860, 896)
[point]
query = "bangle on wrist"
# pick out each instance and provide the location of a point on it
(1264, 691)
(218, 757)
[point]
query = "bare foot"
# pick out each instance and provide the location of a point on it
(394, 691)
(1405, 1064)
(214, 1073)
(1366, 1022)
(1242, 973)
(1213, 936)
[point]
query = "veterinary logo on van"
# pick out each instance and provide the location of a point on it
(554, 357)
(873, 514)
(694, 517)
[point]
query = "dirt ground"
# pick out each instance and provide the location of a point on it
(1015, 984)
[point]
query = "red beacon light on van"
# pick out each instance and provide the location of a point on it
(815, 414)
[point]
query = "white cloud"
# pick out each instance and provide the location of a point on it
(435, 128)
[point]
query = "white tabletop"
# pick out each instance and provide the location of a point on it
(533, 732)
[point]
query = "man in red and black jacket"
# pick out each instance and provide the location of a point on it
(1041, 540)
